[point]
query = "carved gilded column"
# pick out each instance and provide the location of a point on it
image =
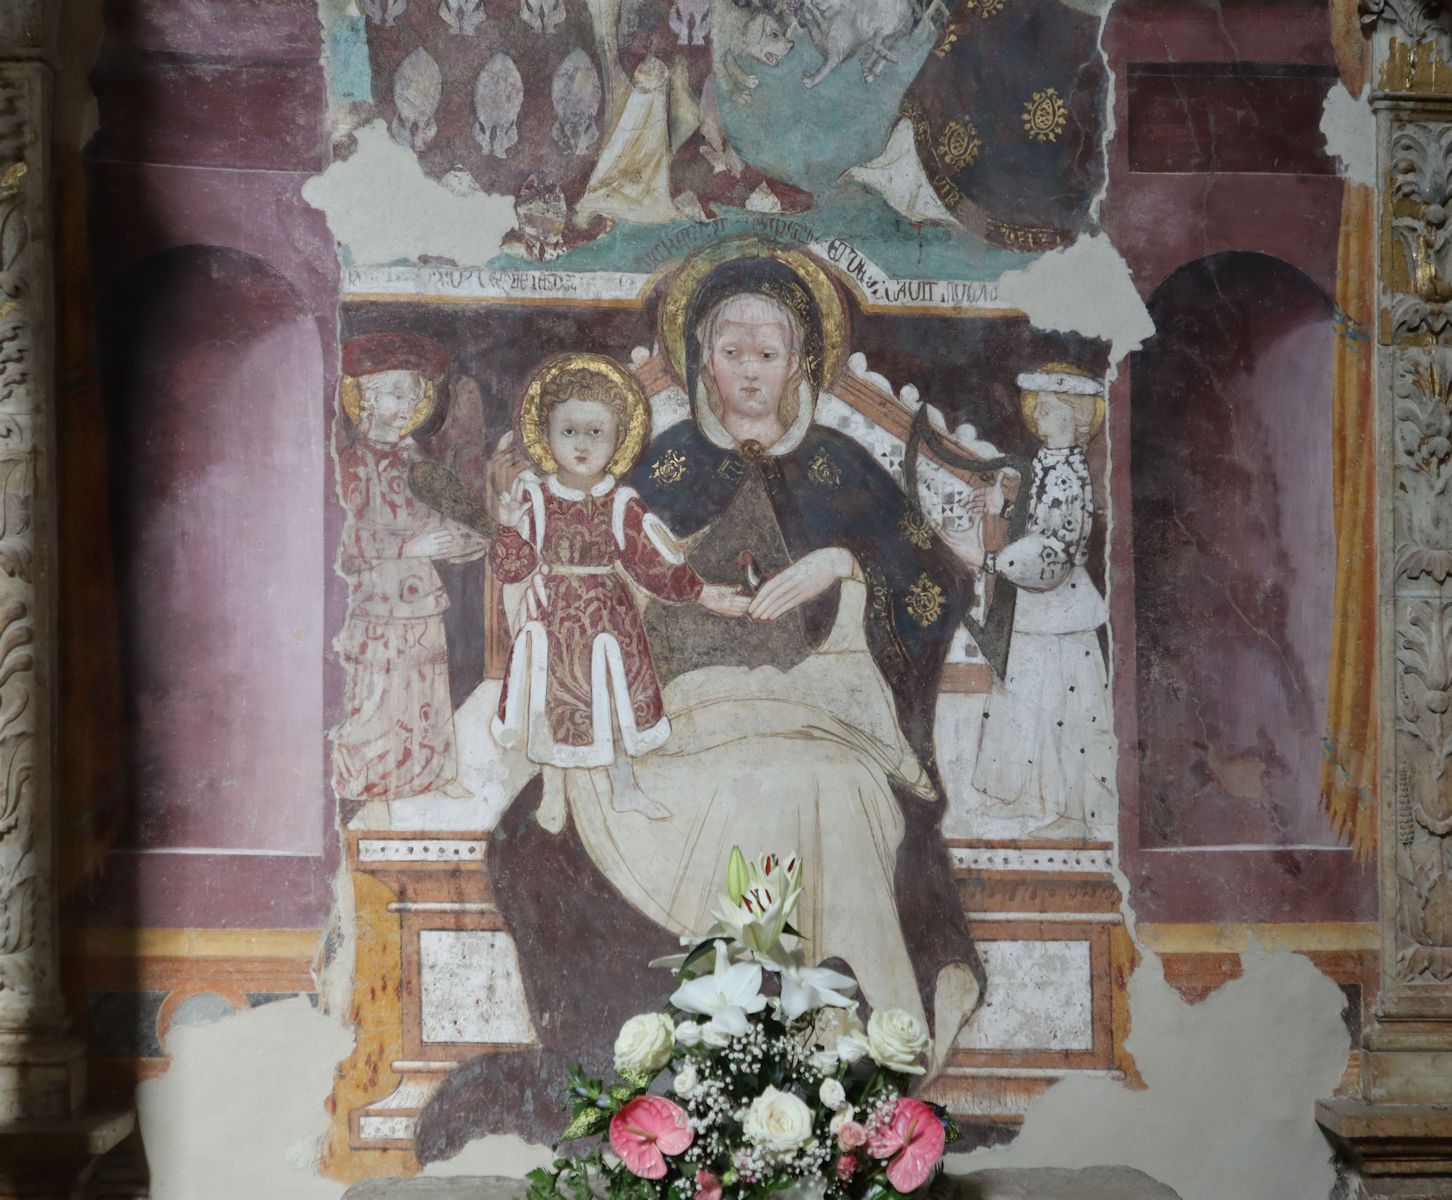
(1399, 1134)
(46, 1140)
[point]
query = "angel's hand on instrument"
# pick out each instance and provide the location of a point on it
(967, 543)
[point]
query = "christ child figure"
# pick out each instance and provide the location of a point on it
(397, 735)
(1047, 746)
(580, 687)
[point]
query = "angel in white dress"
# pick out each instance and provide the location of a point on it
(1047, 741)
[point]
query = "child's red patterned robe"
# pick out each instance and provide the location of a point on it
(580, 665)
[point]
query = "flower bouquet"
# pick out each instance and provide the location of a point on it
(757, 1078)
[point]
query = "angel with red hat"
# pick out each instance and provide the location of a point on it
(397, 736)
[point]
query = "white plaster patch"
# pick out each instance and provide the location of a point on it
(1350, 130)
(1084, 288)
(1232, 1084)
(382, 208)
(1040, 997)
(240, 1112)
(510, 1157)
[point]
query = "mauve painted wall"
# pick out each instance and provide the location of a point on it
(218, 457)
(1234, 555)
(212, 115)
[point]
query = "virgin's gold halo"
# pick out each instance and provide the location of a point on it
(676, 304)
(351, 394)
(534, 425)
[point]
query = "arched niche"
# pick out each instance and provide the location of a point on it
(213, 373)
(1233, 538)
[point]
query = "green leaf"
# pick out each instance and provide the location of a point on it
(638, 1080)
(701, 950)
(586, 1123)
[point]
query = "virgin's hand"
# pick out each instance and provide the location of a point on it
(804, 580)
(436, 543)
(724, 601)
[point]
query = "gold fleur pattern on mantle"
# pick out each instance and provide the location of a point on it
(925, 600)
(669, 468)
(958, 28)
(919, 531)
(959, 144)
(824, 471)
(1045, 116)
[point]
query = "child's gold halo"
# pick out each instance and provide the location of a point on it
(534, 433)
(351, 394)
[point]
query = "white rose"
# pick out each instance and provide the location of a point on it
(896, 1040)
(832, 1094)
(716, 1039)
(688, 1035)
(645, 1044)
(840, 1118)
(687, 1080)
(777, 1123)
(851, 1049)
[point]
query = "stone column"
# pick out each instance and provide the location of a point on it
(1399, 1133)
(47, 1142)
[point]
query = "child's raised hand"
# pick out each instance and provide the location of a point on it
(723, 600)
(512, 506)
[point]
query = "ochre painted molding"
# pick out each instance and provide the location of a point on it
(199, 943)
(1235, 938)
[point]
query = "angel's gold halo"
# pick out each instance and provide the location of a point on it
(1029, 401)
(534, 432)
(675, 307)
(351, 394)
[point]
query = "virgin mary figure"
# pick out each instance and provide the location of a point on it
(807, 727)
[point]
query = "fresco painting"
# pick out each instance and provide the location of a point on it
(786, 471)
(726, 620)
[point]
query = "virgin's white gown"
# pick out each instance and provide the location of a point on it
(772, 760)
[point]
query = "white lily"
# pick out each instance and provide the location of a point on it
(726, 995)
(765, 906)
(804, 987)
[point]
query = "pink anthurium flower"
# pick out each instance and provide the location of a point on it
(708, 1187)
(912, 1139)
(645, 1130)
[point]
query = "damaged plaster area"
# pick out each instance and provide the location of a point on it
(1349, 127)
(1084, 288)
(508, 1156)
(1231, 1084)
(382, 208)
(240, 1113)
